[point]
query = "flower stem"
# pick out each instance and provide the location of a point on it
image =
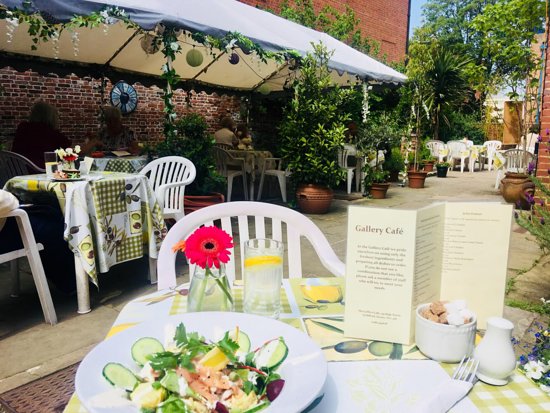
(222, 283)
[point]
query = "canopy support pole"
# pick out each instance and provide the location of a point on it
(265, 79)
(205, 68)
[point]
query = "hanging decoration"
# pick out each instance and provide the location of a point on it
(234, 58)
(264, 89)
(150, 43)
(365, 109)
(194, 58)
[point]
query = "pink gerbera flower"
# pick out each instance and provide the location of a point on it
(208, 246)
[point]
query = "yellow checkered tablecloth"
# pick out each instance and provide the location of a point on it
(322, 321)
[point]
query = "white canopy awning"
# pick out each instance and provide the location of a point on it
(121, 48)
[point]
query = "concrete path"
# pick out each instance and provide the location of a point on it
(30, 349)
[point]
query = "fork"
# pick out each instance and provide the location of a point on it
(466, 370)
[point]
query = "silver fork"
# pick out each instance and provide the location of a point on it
(466, 370)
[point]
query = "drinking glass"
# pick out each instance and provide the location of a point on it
(50, 161)
(263, 275)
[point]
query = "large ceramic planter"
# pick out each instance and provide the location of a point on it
(379, 190)
(314, 199)
(417, 178)
(195, 202)
(514, 188)
(442, 171)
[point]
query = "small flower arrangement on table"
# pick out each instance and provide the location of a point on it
(68, 157)
(536, 365)
(208, 249)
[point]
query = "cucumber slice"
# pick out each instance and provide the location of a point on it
(119, 376)
(170, 381)
(144, 347)
(271, 354)
(258, 407)
(242, 340)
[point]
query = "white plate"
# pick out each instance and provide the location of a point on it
(304, 370)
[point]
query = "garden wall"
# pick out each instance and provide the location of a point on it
(543, 164)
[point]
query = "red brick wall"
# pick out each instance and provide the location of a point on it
(385, 21)
(543, 164)
(78, 101)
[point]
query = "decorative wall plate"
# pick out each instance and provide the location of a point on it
(124, 97)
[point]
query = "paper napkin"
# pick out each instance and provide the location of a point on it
(445, 396)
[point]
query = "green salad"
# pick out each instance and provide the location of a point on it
(190, 374)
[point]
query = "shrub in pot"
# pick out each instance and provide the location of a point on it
(312, 131)
(375, 181)
(394, 163)
(442, 168)
(195, 143)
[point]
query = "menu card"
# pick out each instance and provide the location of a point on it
(397, 259)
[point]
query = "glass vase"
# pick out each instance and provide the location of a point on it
(210, 290)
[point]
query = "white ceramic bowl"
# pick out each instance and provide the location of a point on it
(443, 342)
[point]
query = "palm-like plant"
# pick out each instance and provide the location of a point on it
(445, 85)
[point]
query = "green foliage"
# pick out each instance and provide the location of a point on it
(424, 153)
(374, 176)
(462, 125)
(394, 161)
(313, 126)
(537, 221)
(193, 142)
(381, 131)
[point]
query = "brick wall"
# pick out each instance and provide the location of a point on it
(543, 164)
(385, 21)
(78, 100)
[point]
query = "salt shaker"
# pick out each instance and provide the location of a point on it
(495, 353)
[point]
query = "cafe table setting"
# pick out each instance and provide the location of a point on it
(127, 163)
(362, 375)
(110, 218)
(253, 160)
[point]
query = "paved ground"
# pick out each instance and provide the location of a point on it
(30, 349)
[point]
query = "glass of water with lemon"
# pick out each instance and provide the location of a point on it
(263, 275)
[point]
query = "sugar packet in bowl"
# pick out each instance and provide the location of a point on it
(445, 330)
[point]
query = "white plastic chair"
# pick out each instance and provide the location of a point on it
(492, 148)
(458, 150)
(263, 214)
(168, 177)
(343, 155)
(223, 162)
(31, 251)
(435, 148)
(278, 172)
(515, 160)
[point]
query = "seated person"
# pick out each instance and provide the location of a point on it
(113, 136)
(39, 134)
(225, 135)
(244, 136)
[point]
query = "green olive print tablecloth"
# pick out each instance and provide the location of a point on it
(110, 218)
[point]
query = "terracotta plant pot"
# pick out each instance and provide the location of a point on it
(195, 202)
(428, 166)
(314, 199)
(442, 171)
(417, 178)
(514, 187)
(379, 190)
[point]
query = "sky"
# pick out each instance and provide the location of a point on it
(416, 15)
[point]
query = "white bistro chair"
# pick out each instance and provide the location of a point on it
(31, 251)
(267, 222)
(515, 160)
(491, 148)
(169, 176)
(437, 149)
(343, 155)
(278, 172)
(230, 167)
(458, 150)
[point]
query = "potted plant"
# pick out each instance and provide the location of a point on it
(416, 177)
(394, 163)
(312, 131)
(442, 168)
(194, 143)
(376, 182)
(426, 157)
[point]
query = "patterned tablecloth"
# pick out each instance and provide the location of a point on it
(316, 307)
(110, 218)
(128, 164)
(253, 162)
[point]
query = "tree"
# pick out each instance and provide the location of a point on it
(509, 29)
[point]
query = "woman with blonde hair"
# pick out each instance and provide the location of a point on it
(39, 134)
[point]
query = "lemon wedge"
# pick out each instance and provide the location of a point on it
(262, 260)
(214, 359)
(147, 397)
